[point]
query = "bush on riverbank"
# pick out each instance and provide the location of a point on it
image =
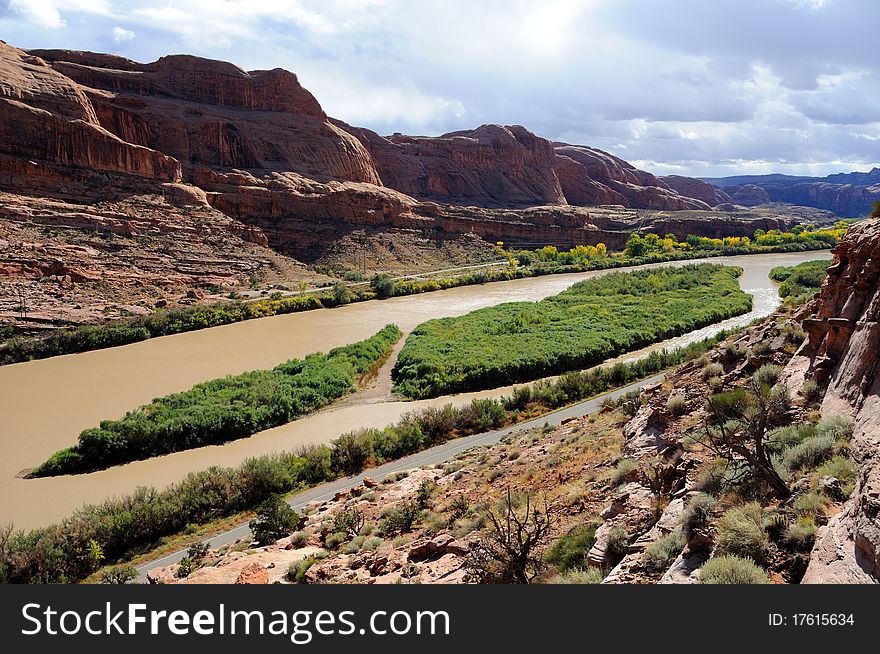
(644, 249)
(123, 527)
(225, 409)
(800, 282)
(592, 321)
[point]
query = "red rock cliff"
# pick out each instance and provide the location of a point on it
(843, 348)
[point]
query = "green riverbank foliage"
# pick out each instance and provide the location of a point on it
(123, 527)
(224, 409)
(641, 249)
(592, 321)
(800, 282)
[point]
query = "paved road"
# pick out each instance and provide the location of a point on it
(254, 296)
(437, 454)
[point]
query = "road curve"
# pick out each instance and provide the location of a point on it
(437, 454)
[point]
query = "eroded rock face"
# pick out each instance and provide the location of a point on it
(696, 188)
(842, 347)
(209, 112)
(750, 195)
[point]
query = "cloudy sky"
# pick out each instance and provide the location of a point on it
(693, 87)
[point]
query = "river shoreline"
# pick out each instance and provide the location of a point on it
(82, 389)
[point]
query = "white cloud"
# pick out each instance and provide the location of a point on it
(122, 35)
(673, 84)
(42, 13)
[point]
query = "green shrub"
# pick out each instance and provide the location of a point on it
(580, 576)
(297, 570)
(221, 410)
(299, 539)
(348, 522)
(120, 574)
(732, 570)
(697, 513)
(400, 519)
(584, 325)
(767, 375)
(570, 551)
(842, 468)
(811, 504)
(809, 453)
(840, 428)
(275, 519)
(382, 285)
(740, 532)
(335, 539)
(617, 544)
(659, 554)
(811, 392)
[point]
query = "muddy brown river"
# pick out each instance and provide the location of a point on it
(45, 404)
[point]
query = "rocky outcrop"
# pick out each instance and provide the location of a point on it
(850, 195)
(750, 195)
(691, 187)
(841, 348)
(587, 172)
(46, 116)
(209, 112)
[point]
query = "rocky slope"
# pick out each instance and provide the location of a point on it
(628, 475)
(253, 153)
(842, 351)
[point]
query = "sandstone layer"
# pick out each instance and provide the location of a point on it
(841, 350)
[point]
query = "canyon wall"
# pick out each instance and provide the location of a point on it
(841, 350)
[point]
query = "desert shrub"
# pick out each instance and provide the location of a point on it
(348, 522)
(372, 543)
(712, 370)
(767, 375)
(400, 519)
(580, 576)
(761, 348)
(297, 570)
(812, 503)
(185, 568)
(740, 532)
(623, 468)
(800, 535)
(659, 554)
(275, 519)
(423, 494)
(120, 574)
(809, 453)
(458, 508)
(697, 513)
(676, 405)
(840, 428)
(617, 544)
(842, 468)
(334, 539)
(811, 392)
(732, 570)
(299, 539)
(733, 354)
(570, 551)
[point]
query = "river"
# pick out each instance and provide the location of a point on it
(45, 404)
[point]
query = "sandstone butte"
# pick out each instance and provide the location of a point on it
(257, 147)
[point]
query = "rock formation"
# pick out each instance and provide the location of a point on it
(850, 195)
(841, 349)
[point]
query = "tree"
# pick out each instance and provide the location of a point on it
(341, 293)
(510, 552)
(275, 519)
(875, 212)
(739, 422)
(382, 285)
